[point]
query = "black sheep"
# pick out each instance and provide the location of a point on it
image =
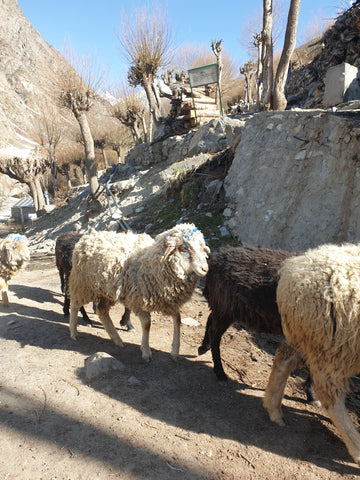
(64, 247)
(240, 287)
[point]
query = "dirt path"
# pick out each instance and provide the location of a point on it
(176, 423)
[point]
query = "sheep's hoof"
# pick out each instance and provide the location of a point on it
(277, 418)
(147, 355)
(118, 342)
(316, 403)
(203, 349)
(74, 336)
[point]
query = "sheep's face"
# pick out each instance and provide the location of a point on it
(188, 253)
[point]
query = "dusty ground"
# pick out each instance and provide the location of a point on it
(178, 424)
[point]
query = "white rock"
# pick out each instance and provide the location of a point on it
(101, 363)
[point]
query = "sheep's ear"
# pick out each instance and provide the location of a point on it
(168, 251)
(9, 253)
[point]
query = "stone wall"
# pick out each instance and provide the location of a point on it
(295, 180)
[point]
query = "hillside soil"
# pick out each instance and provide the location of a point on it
(158, 421)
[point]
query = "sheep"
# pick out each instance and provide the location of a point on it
(240, 287)
(64, 247)
(14, 255)
(160, 277)
(318, 296)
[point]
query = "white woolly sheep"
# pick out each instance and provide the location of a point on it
(318, 297)
(14, 254)
(160, 277)
(64, 247)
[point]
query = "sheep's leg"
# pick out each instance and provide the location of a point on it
(66, 307)
(102, 310)
(344, 424)
(74, 310)
(85, 316)
(4, 292)
(216, 331)
(205, 344)
(286, 359)
(145, 324)
(176, 335)
(62, 280)
(332, 397)
(125, 320)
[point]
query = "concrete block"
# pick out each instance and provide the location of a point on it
(341, 84)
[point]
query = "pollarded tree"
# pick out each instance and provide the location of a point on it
(49, 129)
(131, 111)
(146, 41)
(120, 140)
(28, 169)
(77, 85)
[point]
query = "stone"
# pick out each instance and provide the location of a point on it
(100, 364)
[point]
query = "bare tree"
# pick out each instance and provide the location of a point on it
(69, 161)
(77, 85)
(255, 26)
(279, 99)
(100, 142)
(131, 112)
(248, 71)
(120, 140)
(216, 46)
(146, 41)
(266, 55)
(28, 170)
(49, 130)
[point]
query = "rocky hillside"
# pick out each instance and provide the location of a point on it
(29, 68)
(340, 43)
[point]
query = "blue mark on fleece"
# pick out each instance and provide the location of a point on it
(15, 237)
(188, 235)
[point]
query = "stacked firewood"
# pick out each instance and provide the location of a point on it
(190, 108)
(199, 110)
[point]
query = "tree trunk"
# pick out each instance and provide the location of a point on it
(279, 99)
(267, 55)
(154, 108)
(90, 165)
(34, 195)
(106, 163)
(40, 195)
(143, 121)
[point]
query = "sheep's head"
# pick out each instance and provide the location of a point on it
(186, 250)
(15, 251)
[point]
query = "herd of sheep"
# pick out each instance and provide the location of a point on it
(311, 299)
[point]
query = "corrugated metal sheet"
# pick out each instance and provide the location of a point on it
(22, 209)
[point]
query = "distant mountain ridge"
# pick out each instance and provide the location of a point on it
(27, 72)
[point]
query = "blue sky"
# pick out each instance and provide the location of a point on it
(90, 26)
